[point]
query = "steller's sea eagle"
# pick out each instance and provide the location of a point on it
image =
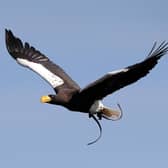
(68, 92)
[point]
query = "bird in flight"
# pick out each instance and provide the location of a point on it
(68, 92)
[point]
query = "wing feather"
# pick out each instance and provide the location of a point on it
(116, 80)
(28, 56)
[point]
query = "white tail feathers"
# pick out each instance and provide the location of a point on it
(111, 114)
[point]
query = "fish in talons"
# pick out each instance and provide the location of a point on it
(103, 112)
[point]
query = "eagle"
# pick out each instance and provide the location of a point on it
(68, 93)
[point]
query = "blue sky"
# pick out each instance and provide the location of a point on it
(87, 38)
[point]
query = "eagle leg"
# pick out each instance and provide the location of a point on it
(99, 115)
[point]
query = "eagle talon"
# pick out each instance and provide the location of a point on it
(90, 115)
(99, 115)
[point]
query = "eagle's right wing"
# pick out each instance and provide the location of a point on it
(28, 56)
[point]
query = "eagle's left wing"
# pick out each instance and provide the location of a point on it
(115, 80)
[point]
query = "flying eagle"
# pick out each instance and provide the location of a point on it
(68, 92)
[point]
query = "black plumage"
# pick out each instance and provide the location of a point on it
(68, 92)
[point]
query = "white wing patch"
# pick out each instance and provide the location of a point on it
(50, 77)
(118, 71)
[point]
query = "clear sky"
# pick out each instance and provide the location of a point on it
(87, 38)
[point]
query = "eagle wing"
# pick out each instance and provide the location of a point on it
(28, 56)
(116, 80)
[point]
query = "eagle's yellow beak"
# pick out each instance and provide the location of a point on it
(45, 99)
